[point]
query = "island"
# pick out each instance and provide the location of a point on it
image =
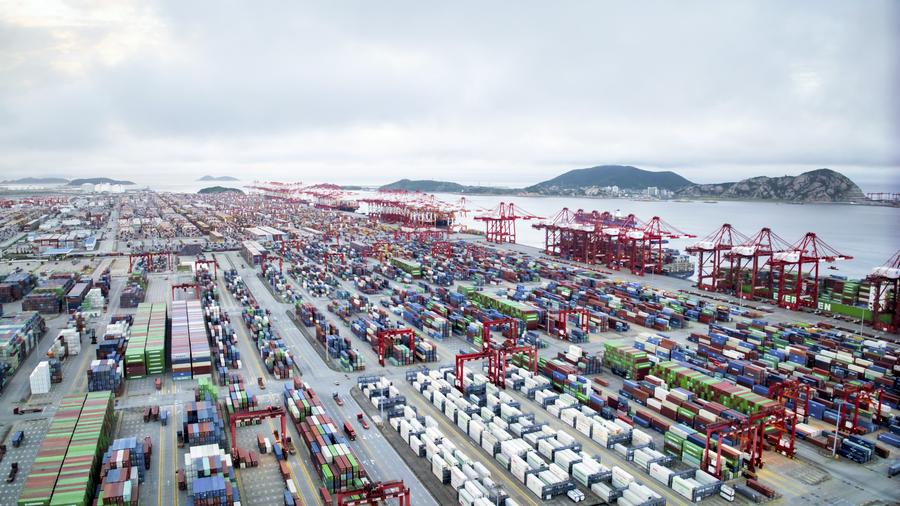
(210, 190)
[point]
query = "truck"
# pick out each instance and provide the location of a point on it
(158, 384)
(261, 383)
(348, 429)
(21, 411)
(289, 445)
(285, 470)
(18, 438)
(261, 443)
(337, 399)
(182, 482)
(362, 421)
(147, 412)
(148, 451)
(154, 413)
(13, 471)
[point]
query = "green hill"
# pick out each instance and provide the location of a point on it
(582, 181)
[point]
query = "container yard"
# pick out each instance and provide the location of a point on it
(327, 357)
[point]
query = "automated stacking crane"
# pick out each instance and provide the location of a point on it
(798, 271)
(711, 251)
(500, 222)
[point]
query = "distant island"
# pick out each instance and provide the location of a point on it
(817, 186)
(98, 180)
(428, 185)
(218, 178)
(590, 181)
(218, 189)
(37, 180)
(821, 185)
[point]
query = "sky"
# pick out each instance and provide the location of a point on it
(506, 93)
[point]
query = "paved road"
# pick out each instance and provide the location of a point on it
(381, 460)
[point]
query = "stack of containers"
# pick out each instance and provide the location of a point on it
(93, 302)
(180, 344)
(40, 378)
(272, 349)
(201, 357)
(135, 355)
(39, 484)
(125, 454)
(104, 375)
(239, 399)
(210, 476)
(72, 339)
(222, 338)
(67, 467)
(19, 333)
(114, 340)
(626, 360)
(155, 348)
(337, 466)
(203, 424)
(708, 388)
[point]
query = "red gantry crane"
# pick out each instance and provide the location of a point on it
(798, 271)
(151, 260)
(645, 245)
(558, 325)
(749, 264)
(750, 434)
(500, 222)
(885, 281)
(388, 335)
(375, 494)
(207, 263)
(711, 251)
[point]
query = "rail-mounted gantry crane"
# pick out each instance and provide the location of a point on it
(383, 336)
(375, 494)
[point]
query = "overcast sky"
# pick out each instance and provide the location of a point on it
(477, 92)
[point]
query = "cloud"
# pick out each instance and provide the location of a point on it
(484, 93)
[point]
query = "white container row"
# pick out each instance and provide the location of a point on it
(503, 440)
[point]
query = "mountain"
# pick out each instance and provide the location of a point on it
(821, 185)
(97, 180)
(431, 186)
(589, 181)
(218, 178)
(218, 189)
(37, 180)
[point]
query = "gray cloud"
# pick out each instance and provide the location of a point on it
(503, 93)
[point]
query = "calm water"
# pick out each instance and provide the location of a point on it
(870, 234)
